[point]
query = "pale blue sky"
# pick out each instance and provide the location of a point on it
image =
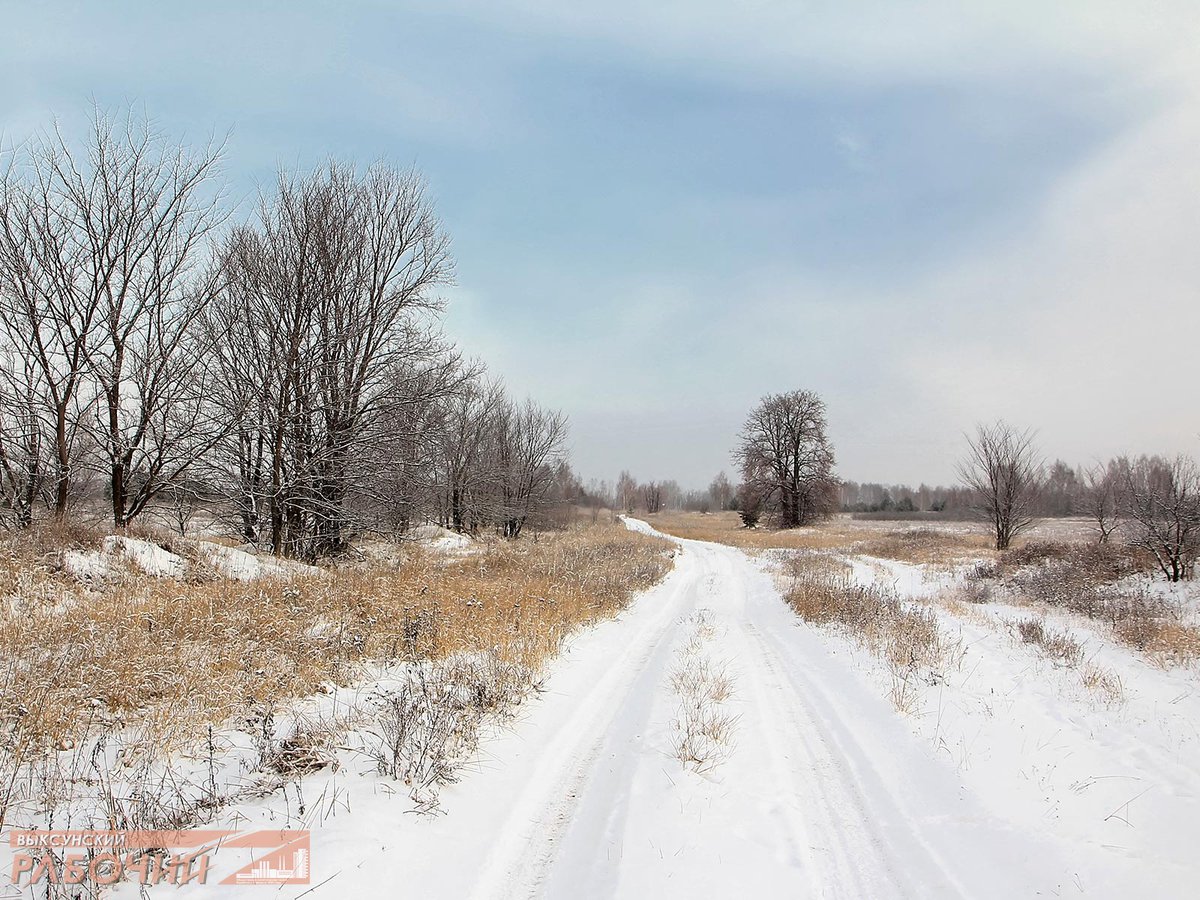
(930, 217)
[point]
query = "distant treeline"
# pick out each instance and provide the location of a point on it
(1062, 492)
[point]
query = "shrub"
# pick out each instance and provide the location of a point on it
(1058, 645)
(904, 634)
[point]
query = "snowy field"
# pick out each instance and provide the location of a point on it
(1008, 777)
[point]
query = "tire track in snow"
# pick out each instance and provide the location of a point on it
(825, 793)
(526, 843)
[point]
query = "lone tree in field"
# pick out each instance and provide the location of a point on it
(786, 459)
(1002, 469)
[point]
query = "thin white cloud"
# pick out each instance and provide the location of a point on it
(865, 42)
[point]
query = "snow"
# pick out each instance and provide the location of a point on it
(146, 556)
(151, 559)
(441, 540)
(84, 565)
(244, 566)
(907, 580)
(1111, 782)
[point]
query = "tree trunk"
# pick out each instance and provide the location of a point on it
(62, 482)
(118, 495)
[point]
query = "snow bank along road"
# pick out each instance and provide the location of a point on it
(822, 792)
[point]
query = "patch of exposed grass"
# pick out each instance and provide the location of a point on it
(703, 728)
(905, 635)
(926, 546)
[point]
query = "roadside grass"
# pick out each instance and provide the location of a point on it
(904, 635)
(797, 564)
(159, 660)
(1057, 566)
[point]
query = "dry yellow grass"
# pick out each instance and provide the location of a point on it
(727, 528)
(905, 636)
(917, 544)
(1167, 642)
(143, 650)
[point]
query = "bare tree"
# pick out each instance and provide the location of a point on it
(530, 443)
(1061, 491)
(1002, 470)
(787, 460)
(1101, 498)
(652, 497)
(749, 505)
(50, 296)
(467, 473)
(627, 493)
(146, 215)
(534, 444)
(721, 492)
(321, 303)
(599, 496)
(21, 438)
(400, 479)
(1161, 499)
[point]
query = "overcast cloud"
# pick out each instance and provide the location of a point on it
(931, 213)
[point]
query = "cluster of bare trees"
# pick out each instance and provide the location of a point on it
(291, 366)
(496, 462)
(1152, 502)
(103, 277)
(787, 461)
(631, 496)
(1063, 490)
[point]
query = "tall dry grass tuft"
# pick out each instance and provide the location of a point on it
(1058, 645)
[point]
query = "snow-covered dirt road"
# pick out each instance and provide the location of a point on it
(821, 791)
